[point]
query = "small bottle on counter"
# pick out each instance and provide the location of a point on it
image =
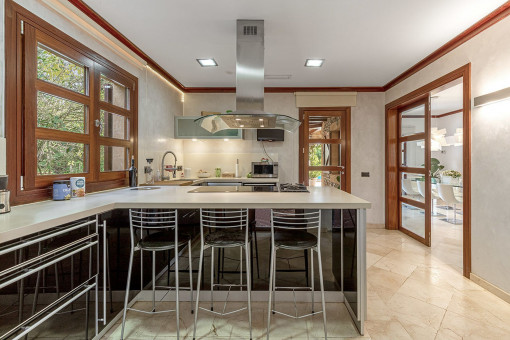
(132, 173)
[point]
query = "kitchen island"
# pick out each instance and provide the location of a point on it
(27, 221)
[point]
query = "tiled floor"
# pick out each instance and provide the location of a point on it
(416, 292)
(163, 326)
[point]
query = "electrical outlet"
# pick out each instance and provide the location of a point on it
(365, 174)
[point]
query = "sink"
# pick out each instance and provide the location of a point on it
(146, 188)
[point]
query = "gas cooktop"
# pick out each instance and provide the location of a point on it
(293, 187)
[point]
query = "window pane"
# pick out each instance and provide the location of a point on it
(60, 114)
(59, 70)
(114, 93)
(113, 125)
(413, 186)
(324, 154)
(59, 158)
(413, 153)
(413, 219)
(113, 158)
(413, 121)
(324, 127)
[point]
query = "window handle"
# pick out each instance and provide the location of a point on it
(97, 123)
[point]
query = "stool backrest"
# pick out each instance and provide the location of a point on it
(292, 220)
(151, 219)
(224, 218)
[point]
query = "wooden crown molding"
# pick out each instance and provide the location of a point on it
(495, 16)
(492, 18)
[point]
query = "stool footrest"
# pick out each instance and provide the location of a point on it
(296, 316)
(151, 312)
(223, 313)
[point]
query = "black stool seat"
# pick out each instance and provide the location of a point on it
(226, 238)
(163, 240)
(294, 240)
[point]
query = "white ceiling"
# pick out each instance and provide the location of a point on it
(364, 42)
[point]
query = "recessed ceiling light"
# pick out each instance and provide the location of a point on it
(207, 62)
(314, 62)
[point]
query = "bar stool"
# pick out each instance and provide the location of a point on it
(167, 237)
(290, 231)
(228, 228)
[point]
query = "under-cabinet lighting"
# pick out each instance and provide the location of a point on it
(194, 140)
(207, 62)
(226, 139)
(314, 62)
(492, 97)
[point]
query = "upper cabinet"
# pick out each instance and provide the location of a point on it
(186, 128)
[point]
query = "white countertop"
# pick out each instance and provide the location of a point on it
(31, 218)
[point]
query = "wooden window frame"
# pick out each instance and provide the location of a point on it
(20, 97)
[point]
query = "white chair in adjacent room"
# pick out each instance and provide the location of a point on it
(421, 190)
(446, 193)
(407, 186)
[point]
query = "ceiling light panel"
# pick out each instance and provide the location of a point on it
(207, 62)
(314, 62)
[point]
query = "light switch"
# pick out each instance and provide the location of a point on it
(365, 174)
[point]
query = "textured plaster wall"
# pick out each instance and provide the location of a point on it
(489, 55)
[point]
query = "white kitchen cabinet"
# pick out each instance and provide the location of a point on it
(186, 128)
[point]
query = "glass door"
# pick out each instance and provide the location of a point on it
(324, 148)
(414, 170)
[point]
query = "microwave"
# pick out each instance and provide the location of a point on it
(264, 169)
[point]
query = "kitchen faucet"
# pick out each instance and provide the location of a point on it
(173, 169)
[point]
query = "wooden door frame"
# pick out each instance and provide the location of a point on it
(425, 171)
(347, 141)
(391, 154)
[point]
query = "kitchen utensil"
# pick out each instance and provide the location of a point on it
(203, 174)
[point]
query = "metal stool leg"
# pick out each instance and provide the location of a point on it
(322, 292)
(271, 289)
(212, 277)
(126, 298)
(274, 280)
(176, 251)
(248, 281)
(190, 264)
(241, 267)
(313, 281)
(256, 250)
(200, 269)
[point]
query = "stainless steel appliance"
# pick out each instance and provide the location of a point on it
(264, 169)
(249, 113)
(290, 187)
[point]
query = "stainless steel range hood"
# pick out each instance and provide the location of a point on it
(249, 112)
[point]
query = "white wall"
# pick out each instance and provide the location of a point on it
(489, 54)
(157, 101)
(367, 142)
